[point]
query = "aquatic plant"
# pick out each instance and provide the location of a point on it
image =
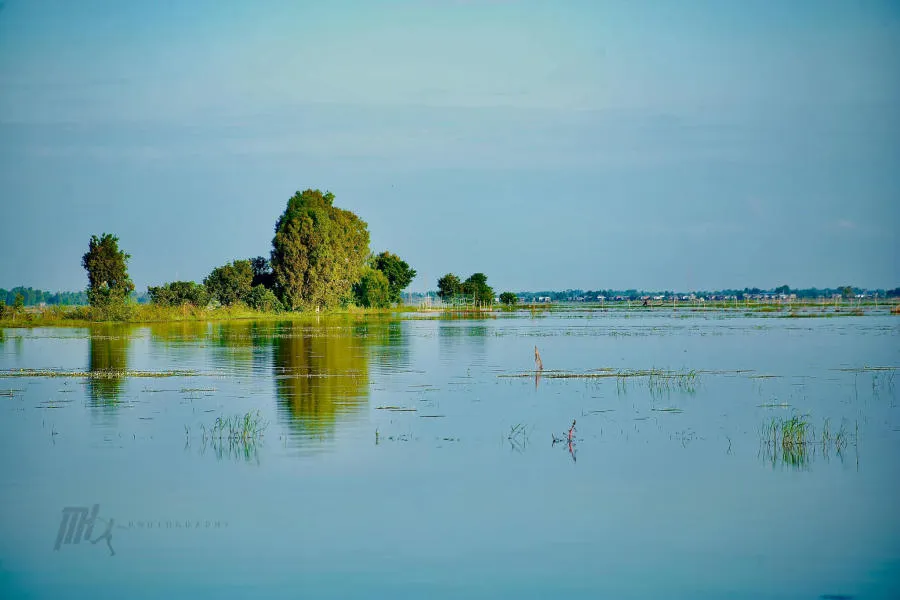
(794, 442)
(247, 427)
(234, 437)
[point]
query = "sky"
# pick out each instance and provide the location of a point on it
(551, 145)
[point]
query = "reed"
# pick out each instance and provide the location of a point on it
(793, 441)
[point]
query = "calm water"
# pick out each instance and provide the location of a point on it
(407, 459)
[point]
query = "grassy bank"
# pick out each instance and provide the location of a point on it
(80, 316)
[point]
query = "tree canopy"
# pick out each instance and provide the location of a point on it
(107, 269)
(448, 286)
(230, 283)
(475, 287)
(398, 272)
(318, 252)
(262, 272)
(508, 298)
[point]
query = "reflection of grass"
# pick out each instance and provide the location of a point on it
(673, 377)
(100, 374)
(518, 436)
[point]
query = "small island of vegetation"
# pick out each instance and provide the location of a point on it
(320, 261)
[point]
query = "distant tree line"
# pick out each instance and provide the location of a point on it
(740, 294)
(33, 297)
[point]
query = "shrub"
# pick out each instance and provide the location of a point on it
(373, 290)
(264, 300)
(177, 293)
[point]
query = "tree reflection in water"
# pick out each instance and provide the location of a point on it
(108, 362)
(322, 371)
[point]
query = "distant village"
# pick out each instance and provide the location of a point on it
(780, 294)
(39, 298)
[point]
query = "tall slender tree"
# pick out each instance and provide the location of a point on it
(107, 270)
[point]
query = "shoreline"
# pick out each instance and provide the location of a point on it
(79, 316)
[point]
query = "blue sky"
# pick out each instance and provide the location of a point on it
(551, 145)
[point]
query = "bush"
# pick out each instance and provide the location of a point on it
(373, 290)
(177, 293)
(112, 312)
(263, 299)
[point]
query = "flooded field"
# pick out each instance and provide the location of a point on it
(658, 454)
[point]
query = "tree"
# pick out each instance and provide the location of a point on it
(262, 272)
(448, 286)
(477, 287)
(230, 283)
(107, 269)
(508, 298)
(847, 291)
(318, 252)
(398, 273)
(177, 293)
(373, 289)
(19, 302)
(262, 298)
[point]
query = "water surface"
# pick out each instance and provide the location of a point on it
(414, 457)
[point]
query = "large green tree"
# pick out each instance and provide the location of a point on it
(448, 286)
(107, 269)
(318, 252)
(398, 272)
(509, 299)
(477, 287)
(230, 283)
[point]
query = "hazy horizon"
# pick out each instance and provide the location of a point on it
(583, 145)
